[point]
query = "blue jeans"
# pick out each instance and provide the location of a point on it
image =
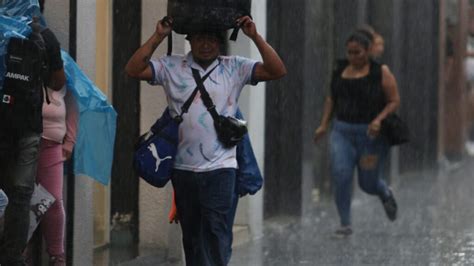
(204, 201)
(3, 202)
(350, 148)
(17, 174)
(230, 223)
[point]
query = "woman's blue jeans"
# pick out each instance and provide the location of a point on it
(3, 202)
(351, 148)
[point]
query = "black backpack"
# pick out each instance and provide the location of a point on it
(23, 87)
(214, 15)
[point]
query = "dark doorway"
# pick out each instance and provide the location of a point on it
(283, 121)
(124, 185)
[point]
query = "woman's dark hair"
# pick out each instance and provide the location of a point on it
(368, 33)
(362, 37)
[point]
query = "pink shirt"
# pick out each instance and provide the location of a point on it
(60, 118)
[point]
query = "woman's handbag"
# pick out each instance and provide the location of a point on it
(155, 151)
(395, 130)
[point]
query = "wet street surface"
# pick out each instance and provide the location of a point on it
(435, 226)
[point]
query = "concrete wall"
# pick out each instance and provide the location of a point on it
(83, 215)
(56, 13)
(285, 110)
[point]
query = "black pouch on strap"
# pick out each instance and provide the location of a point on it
(230, 130)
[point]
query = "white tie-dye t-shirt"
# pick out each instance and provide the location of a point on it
(198, 149)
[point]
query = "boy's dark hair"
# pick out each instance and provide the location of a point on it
(221, 35)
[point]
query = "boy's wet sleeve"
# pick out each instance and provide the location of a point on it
(158, 71)
(246, 69)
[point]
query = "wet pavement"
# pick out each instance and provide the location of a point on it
(435, 226)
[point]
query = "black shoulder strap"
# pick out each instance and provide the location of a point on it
(376, 71)
(235, 33)
(167, 20)
(38, 29)
(170, 44)
(340, 65)
(338, 68)
(187, 104)
(205, 95)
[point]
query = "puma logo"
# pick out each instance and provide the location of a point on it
(154, 153)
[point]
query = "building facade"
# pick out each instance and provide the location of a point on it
(128, 218)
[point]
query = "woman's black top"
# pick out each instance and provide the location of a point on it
(357, 100)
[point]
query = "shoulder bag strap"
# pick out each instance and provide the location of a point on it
(189, 101)
(205, 95)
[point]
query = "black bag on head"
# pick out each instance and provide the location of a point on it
(22, 93)
(206, 15)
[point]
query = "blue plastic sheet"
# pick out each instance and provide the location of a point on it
(20, 8)
(94, 150)
(93, 153)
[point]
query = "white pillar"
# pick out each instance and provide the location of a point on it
(83, 198)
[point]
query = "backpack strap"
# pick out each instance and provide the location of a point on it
(46, 95)
(189, 101)
(38, 29)
(339, 67)
(206, 99)
(170, 44)
(376, 71)
(235, 31)
(167, 20)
